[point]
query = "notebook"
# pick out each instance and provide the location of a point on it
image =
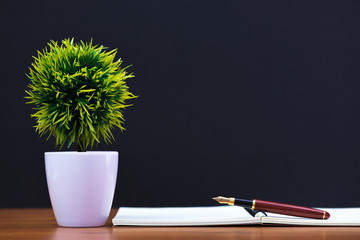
(226, 215)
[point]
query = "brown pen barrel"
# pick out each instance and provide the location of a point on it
(289, 209)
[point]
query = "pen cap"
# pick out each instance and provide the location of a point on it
(288, 209)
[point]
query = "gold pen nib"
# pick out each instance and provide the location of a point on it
(222, 200)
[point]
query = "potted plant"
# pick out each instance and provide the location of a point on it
(79, 92)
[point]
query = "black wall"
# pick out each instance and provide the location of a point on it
(253, 99)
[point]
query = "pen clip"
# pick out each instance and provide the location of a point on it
(255, 213)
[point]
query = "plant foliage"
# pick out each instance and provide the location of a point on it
(79, 93)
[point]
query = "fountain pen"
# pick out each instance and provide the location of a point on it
(274, 207)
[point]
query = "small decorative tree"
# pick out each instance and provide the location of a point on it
(79, 93)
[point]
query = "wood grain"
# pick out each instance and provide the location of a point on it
(40, 224)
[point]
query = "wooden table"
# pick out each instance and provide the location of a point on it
(40, 224)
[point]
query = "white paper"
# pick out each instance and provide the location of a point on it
(184, 216)
(338, 217)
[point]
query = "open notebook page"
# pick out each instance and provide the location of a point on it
(338, 217)
(184, 216)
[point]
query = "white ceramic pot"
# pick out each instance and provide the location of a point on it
(81, 186)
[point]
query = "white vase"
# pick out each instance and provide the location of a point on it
(81, 186)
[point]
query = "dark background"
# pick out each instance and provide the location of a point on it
(253, 99)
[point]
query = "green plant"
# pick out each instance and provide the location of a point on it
(79, 92)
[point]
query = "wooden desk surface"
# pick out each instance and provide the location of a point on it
(40, 224)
